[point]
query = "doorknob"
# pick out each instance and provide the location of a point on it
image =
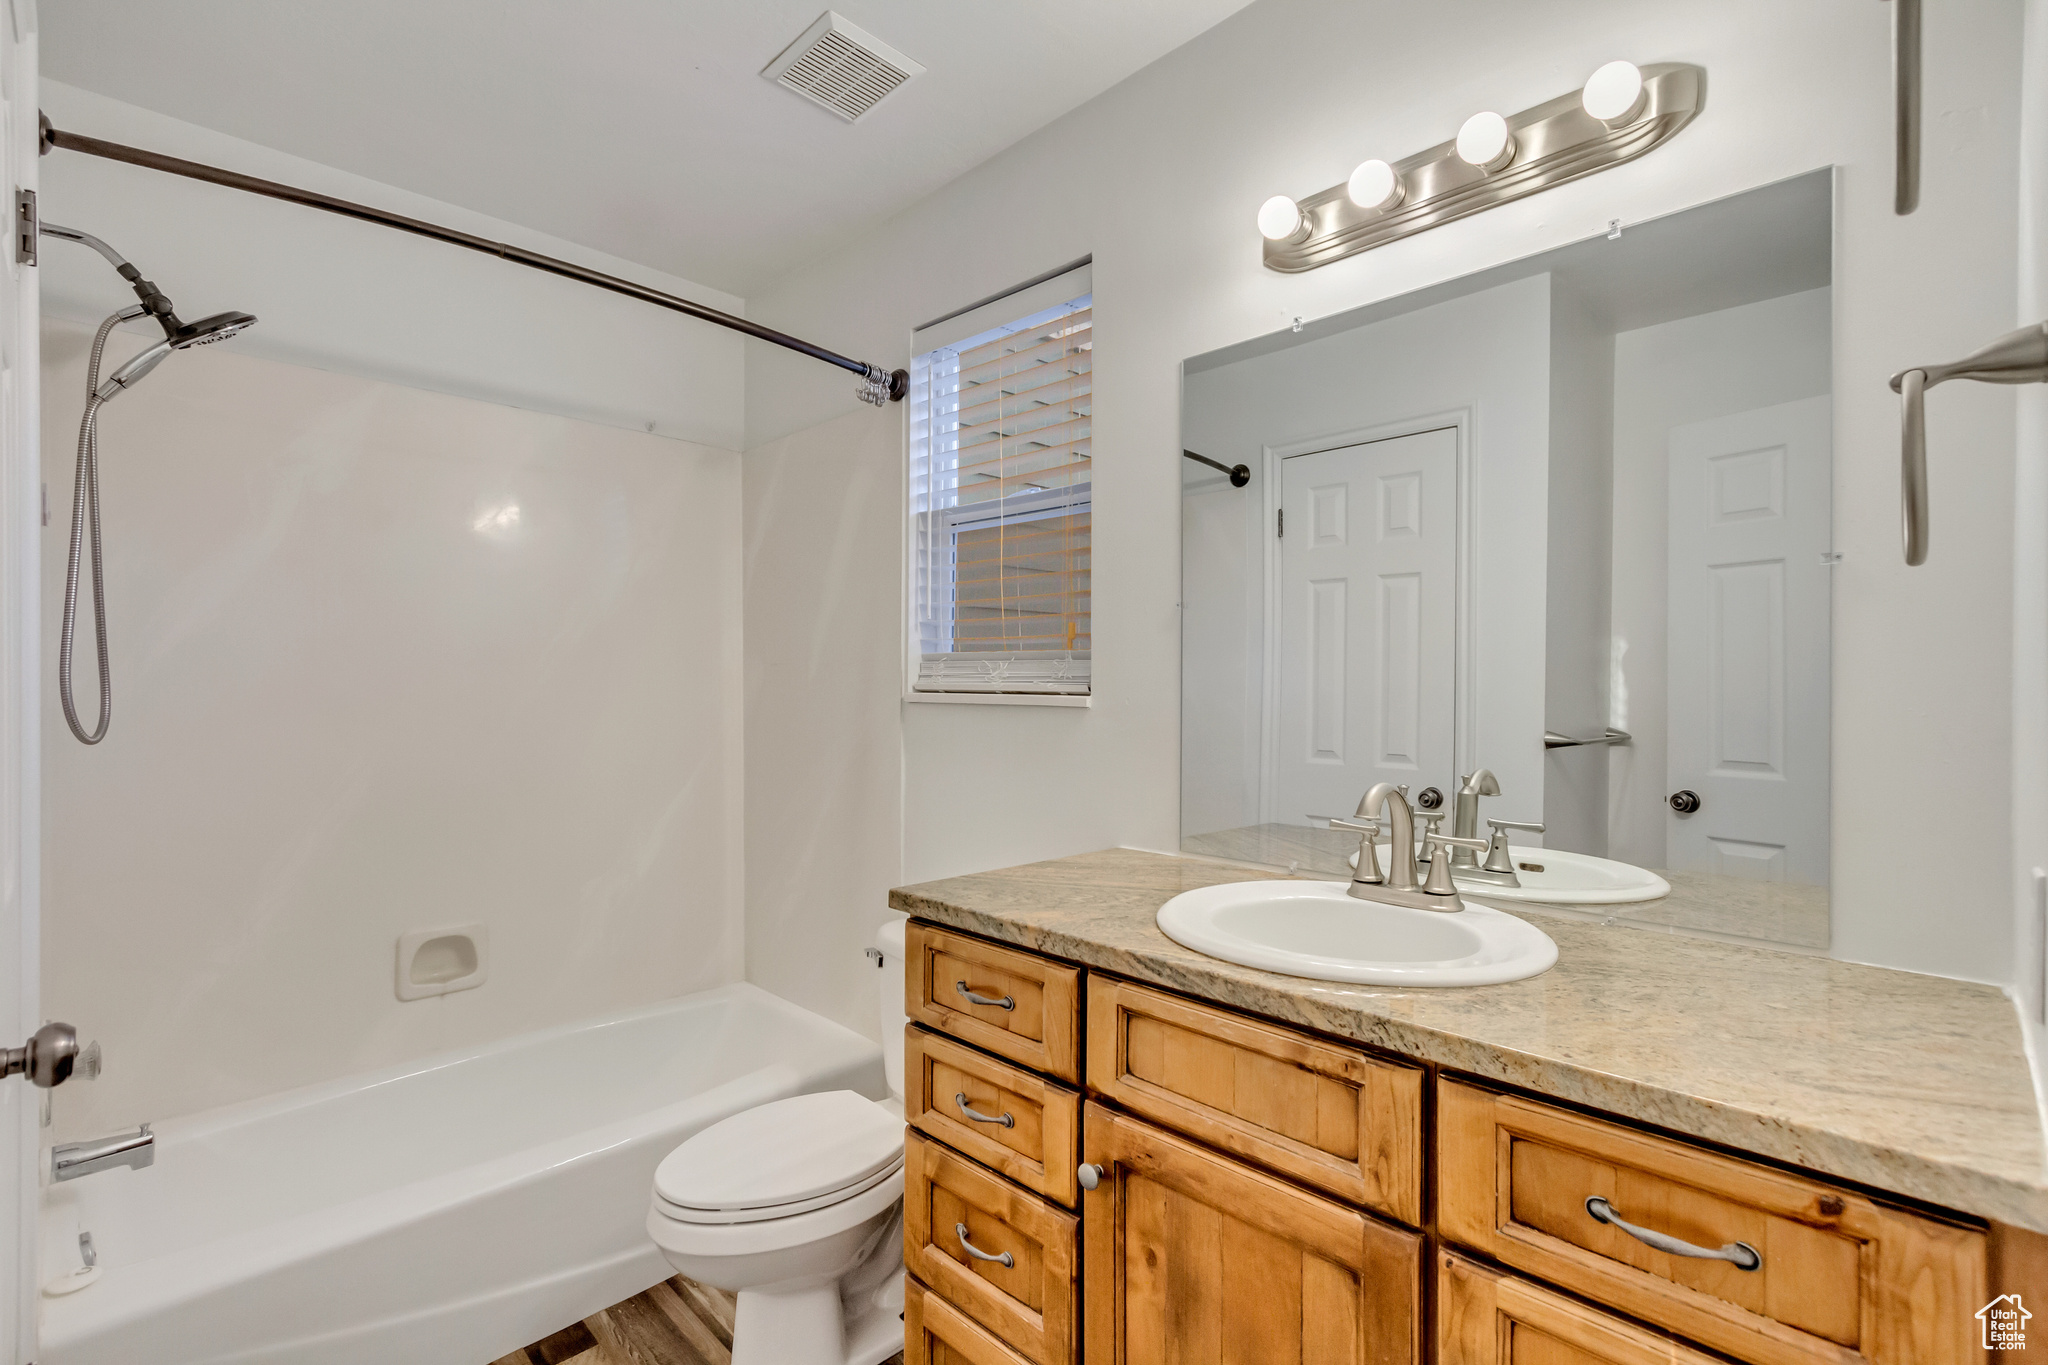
(46, 1059)
(1685, 802)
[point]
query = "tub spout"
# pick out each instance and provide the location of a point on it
(74, 1159)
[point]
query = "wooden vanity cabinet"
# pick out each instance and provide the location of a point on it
(1259, 1198)
(1193, 1257)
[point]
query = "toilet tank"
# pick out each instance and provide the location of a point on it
(889, 942)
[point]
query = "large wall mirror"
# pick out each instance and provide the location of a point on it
(1556, 538)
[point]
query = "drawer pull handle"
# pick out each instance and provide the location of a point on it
(1741, 1255)
(1006, 1003)
(1006, 1260)
(1004, 1119)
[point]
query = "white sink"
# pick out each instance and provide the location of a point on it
(1318, 930)
(1565, 879)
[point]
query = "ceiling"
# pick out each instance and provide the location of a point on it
(638, 127)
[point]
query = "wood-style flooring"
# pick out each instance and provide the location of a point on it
(678, 1322)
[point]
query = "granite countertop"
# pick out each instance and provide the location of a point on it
(1914, 1084)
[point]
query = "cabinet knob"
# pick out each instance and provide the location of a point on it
(1089, 1176)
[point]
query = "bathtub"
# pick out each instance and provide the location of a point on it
(444, 1212)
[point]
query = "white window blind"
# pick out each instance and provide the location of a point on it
(1000, 480)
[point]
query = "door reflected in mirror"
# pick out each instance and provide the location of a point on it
(1550, 548)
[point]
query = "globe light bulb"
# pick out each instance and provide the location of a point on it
(1279, 218)
(1376, 185)
(1485, 141)
(1614, 93)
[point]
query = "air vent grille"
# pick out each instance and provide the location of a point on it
(841, 67)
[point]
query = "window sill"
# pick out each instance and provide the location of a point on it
(1003, 698)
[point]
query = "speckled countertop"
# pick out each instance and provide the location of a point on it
(1914, 1084)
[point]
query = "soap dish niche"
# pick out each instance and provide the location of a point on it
(438, 961)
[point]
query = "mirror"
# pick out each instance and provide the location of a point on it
(1567, 521)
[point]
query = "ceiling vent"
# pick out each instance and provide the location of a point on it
(841, 67)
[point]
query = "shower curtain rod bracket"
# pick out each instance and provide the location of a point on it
(52, 137)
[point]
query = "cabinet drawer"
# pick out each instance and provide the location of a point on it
(1034, 1014)
(1196, 1258)
(1029, 1128)
(1486, 1318)
(1841, 1279)
(936, 1333)
(1327, 1115)
(1029, 1303)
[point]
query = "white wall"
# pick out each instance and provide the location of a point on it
(1575, 636)
(1159, 179)
(347, 296)
(1485, 358)
(1666, 376)
(2030, 567)
(354, 696)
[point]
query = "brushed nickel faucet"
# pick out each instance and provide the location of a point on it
(1465, 825)
(1399, 885)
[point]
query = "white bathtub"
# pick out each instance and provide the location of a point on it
(440, 1213)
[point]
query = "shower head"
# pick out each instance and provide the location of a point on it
(178, 335)
(206, 331)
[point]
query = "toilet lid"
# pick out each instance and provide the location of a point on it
(800, 1150)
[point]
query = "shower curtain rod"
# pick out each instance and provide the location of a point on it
(877, 380)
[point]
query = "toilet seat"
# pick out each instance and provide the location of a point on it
(781, 1160)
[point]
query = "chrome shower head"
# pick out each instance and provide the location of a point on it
(206, 331)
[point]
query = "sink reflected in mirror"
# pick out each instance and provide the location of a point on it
(1318, 930)
(1553, 876)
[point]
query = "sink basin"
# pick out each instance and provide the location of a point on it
(1318, 930)
(1566, 879)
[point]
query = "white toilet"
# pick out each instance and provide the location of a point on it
(798, 1206)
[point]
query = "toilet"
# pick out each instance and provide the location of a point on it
(797, 1205)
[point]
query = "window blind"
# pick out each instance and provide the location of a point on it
(1001, 462)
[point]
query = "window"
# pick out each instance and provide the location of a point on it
(999, 494)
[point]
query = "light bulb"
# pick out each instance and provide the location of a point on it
(1376, 185)
(1279, 218)
(1614, 93)
(1486, 142)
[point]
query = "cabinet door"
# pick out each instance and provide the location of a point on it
(1486, 1318)
(1192, 1258)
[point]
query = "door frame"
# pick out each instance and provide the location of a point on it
(21, 534)
(1465, 701)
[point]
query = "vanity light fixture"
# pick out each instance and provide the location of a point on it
(1281, 220)
(1485, 142)
(1614, 94)
(1375, 185)
(1621, 112)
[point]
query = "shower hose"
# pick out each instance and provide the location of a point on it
(85, 518)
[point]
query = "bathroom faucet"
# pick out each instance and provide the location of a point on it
(1398, 885)
(1465, 825)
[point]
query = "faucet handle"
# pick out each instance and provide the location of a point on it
(1498, 859)
(1453, 841)
(1439, 883)
(1535, 825)
(1355, 826)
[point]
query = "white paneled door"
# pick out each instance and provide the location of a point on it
(20, 714)
(1366, 646)
(1748, 643)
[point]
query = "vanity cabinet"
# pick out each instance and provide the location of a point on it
(1262, 1195)
(1192, 1257)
